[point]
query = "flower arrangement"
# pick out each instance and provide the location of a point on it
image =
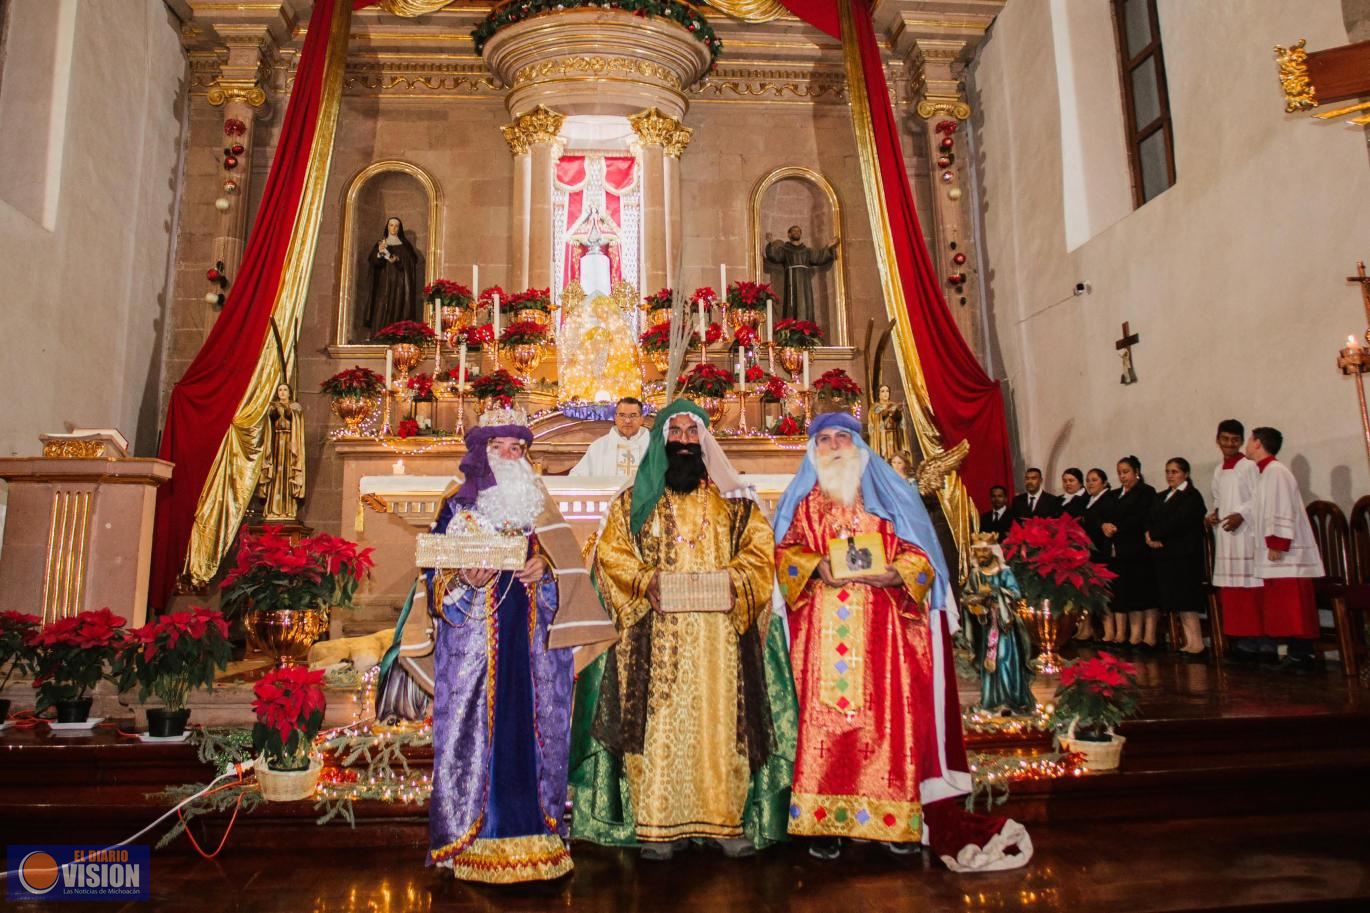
(773, 388)
(533, 299)
(1094, 696)
(657, 339)
(487, 295)
(755, 374)
(787, 427)
(838, 385)
(683, 14)
(407, 428)
(706, 380)
(450, 294)
(749, 296)
(354, 382)
(174, 654)
(496, 384)
(476, 336)
(289, 703)
(744, 337)
(523, 333)
(70, 655)
(704, 295)
(658, 299)
(1050, 558)
(422, 385)
(274, 574)
(16, 650)
(712, 334)
(798, 334)
(406, 331)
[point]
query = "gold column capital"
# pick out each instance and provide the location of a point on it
(243, 90)
(653, 128)
(935, 87)
(540, 125)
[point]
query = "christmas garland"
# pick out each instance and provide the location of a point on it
(683, 14)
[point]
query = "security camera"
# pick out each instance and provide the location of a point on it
(1083, 288)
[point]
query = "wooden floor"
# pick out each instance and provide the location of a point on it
(1241, 789)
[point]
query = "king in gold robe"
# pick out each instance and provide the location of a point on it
(691, 711)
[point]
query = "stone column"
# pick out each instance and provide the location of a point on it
(534, 142)
(239, 91)
(940, 101)
(661, 141)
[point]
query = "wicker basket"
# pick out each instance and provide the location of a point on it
(287, 785)
(1098, 756)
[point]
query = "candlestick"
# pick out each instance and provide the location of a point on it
(389, 367)
(437, 345)
(806, 369)
(461, 376)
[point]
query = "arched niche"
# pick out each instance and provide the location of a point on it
(795, 195)
(377, 192)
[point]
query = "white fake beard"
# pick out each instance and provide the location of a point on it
(516, 500)
(839, 474)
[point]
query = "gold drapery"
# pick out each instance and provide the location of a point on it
(412, 8)
(233, 476)
(750, 10)
(955, 500)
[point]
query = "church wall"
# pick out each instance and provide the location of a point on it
(84, 298)
(1233, 277)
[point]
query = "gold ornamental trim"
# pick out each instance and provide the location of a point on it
(411, 9)
(956, 502)
(655, 128)
(1299, 92)
(64, 569)
(600, 67)
(74, 450)
(540, 125)
(752, 10)
(243, 90)
(933, 106)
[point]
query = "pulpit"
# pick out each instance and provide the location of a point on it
(78, 530)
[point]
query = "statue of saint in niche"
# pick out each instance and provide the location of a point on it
(798, 261)
(395, 282)
(282, 482)
(887, 434)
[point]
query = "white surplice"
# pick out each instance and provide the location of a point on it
(1234, 553)
(1280, 513)
(613, 455)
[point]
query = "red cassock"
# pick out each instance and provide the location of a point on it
(879, 719)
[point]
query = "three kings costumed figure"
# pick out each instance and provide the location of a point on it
(881, 755)
(684, 729)
(493, 657)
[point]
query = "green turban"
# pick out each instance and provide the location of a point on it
(650, 484)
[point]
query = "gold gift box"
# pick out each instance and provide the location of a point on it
(471, 549)
(695, 591)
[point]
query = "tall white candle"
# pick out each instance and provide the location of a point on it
(461, 377)
(389, 367)
(770, 320)
(722, 282)
(806, 369)
(741, 371)
(437, 332)
(703, 327)
(475, 279)
(495, 308)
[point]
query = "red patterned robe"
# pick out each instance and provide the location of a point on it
(867, 667)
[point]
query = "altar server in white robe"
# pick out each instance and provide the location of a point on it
(1289, 560)
(620, 451)
(1234, 539)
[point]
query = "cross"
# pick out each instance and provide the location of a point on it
(1124, 346)
(1364, 281)
(867, 752)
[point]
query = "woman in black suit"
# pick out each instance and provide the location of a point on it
(1175, 534)
(1098, 510)
(1134, 592)
(1073, 495)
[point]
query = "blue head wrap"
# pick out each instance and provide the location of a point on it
(884, 492)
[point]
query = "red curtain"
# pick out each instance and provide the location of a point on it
(571, 175)
(205, 400)
(966, 402)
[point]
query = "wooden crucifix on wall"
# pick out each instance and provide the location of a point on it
(1314, 78)
(1124, 347)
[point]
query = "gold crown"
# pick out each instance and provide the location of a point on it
(504, 415)
(984, 540)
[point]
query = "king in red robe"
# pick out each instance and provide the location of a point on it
(880, 754)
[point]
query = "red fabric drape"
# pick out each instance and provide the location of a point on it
(204, 401)
(967, 403)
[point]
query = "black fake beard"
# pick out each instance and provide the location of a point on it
(685, 469)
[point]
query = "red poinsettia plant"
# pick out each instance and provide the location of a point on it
(16, 651)
(773, 389)
(289, 703)
(712, 334)
(523, 333)
(658, 299)
(487, 296)
(476, 336)
(532, 299)
(273, 573)
(755, 374)
(173, 655)
(406, 331)
(706, 380)
(658, 338)
(705, 296)
(798, 334)
(837, 384)
(1050, 557)
(448, 293)
(750, 296)
(496, 384)
(422, 385)
(787, 427)
(1094, 696)
(354, 382)
(407, 428)
(70, 655)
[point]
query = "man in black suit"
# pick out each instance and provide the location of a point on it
(997, 519)
(1034, 502)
